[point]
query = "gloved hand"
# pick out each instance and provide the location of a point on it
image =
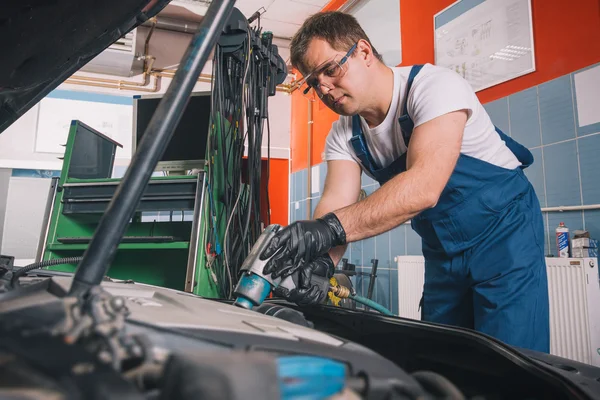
(306, 293)
(299, 243)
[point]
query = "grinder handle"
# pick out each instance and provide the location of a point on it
(322, 282)
(291, 282)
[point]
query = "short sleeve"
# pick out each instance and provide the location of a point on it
(336, 144)
(438, 92)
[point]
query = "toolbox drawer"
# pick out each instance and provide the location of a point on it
(160, 195)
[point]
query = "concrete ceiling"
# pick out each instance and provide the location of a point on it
(282, 17)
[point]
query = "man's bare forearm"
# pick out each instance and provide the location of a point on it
(434, 149)
(396, 202)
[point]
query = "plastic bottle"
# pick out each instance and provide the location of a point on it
(562, 240)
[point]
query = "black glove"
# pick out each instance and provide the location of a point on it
(307, 293)
(300, 243)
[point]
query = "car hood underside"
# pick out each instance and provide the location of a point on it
(46, 41)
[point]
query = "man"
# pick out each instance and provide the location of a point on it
(424, 136)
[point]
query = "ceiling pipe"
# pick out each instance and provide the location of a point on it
(190, 27)
(175, 25)
(137, 86)
(115, 84)
(169, 24)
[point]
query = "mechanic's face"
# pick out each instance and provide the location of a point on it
(338, 80)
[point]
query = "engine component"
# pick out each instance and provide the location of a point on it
(285, 313)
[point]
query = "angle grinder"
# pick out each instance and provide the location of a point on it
(254, 286)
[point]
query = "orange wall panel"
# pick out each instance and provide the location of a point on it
(564, 39)
(278, 191)
(279, 177)
(416, 27)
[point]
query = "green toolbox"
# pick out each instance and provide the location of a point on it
(168, 253)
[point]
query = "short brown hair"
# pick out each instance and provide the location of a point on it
(339, 29)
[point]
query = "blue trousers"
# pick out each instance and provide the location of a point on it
(499, 286)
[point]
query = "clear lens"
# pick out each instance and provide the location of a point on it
(324, 76)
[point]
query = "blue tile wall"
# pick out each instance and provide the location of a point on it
(562, 175)
(381, 292)
(382, 250)
(556, 110)
(498, 112)
(302, 186)
(368, 251)
(592, 222)
(413, 243)
(567, 162)
(292, 189)
(394, 290)
(535, 174)
(589, 163)
(398, 241)
(356, 254)
(524, 117)
(567, 155)
(366, 279)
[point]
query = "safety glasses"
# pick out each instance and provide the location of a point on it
(324, 75)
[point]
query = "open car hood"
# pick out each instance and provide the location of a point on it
(46, 41)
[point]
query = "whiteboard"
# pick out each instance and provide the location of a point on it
(56, 114)
(486, 41)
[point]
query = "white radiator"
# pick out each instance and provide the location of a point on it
(411, 276)
(574, 287)
(574, 292)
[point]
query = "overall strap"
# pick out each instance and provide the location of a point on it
(521, 152)
(359, 145)
(406, 123)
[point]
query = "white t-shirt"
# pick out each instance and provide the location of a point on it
(435, 91)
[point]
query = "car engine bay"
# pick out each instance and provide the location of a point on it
(84, 335)
(138, 341)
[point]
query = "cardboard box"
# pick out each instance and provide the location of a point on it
(584, 243)
(584, 252)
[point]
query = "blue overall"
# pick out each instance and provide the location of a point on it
(483, 244)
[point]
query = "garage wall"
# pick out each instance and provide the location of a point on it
(18, 142)
(26, 205)
(4, 182)
(543, 110)
(559, 121)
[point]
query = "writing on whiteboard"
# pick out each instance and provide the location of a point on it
(488, 44)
